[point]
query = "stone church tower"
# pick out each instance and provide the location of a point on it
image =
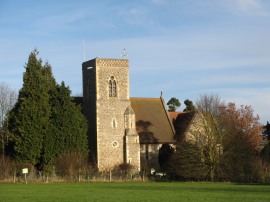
(112, 132)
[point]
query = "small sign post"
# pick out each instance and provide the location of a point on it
(25, 171)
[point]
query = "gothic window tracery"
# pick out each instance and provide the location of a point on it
(112, 87)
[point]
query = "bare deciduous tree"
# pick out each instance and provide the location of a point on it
(200, 151)
(7, 100)
(210, 103)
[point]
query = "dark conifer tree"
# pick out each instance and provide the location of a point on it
(45, 122)
(173, 104)
(68, 126)
(74, 124)
(267, 130)
(189, 106)
(30, 116)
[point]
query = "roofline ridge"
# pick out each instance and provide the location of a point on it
(192, 119)
(167, 113)
(144, 98)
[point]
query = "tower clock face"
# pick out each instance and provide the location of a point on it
(114, 144)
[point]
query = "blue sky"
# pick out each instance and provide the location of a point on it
(184, 48)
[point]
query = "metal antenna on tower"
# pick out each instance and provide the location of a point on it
(124, 53)
(83, 50)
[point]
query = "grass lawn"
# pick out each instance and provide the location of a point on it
(134, 191)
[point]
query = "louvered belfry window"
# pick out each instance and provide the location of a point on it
(112, 87)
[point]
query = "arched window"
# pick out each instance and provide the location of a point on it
(114, 123)
(112, 87)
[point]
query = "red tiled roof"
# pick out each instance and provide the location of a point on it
(173, 115)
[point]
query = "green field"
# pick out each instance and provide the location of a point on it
(134, 191)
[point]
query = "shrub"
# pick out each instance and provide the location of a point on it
(71, 165)
(7, 167)
(123, 170)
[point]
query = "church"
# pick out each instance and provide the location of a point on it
(122, 129)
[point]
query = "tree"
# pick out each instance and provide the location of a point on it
(241, 131)
(203, 137)
(210, 103)
(266, 131)
(187, 162)
(204, 132)
(68, 127)
(227, 139)
(189, 106)
(210, 138)
(173, 104)
(7, 100)
(265, 152)
(45, 121)
(30, 116)
(209, 127)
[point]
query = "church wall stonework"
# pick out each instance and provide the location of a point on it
(105, 113)
(110, 139)
(133, 151)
